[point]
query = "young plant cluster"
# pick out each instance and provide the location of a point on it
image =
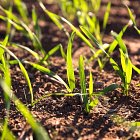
(89, 33)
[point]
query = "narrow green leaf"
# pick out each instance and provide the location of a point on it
(131, 15)
(82, 75)
(39, 131)
(70, 70)
(106, 15)
(35, 23)
(83, 84)
(90, 84)
(7, 78)
(51, 52)
(63, 52)
(110, 88)
(10, 14)
(55, 18)
(79, 34)
(120, 42)
(123, 60)
(92, 38)
(8, 26)
(22, 9)
(114, 43)
(117, 69)
(4, 43)
(17, 26)
(48, 72)
(137, 29)
(136, 69)
(9, 134)
(128, 71)
(27, 49)
(23, 71)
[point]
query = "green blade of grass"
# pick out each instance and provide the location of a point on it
(83, 84)
(36, 42)
(135, 124)
(10, 14)
(7, 78)
(117, 69)
(22, 9)
(39, 131)
(120, 42)
(79, 34)
(91, 37)
(106, 15)
(27, 49)
(35, 22)
(114, 43)
(131, 15)
(9, 134)
(55, 18)
(23, 70)
(109, 88)
(8, 30)
(63, 52)
(128, 74)
(51, 52)
(4, 43)
(49, 72)
(137, 29)
(90, 84)
(123, 60)
(17, 26)
(136, 69)
(70, 70)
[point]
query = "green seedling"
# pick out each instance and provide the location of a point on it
(49, 72)
(132, 18)
(51, 52)
(81, 11)
(38, 130)
(22, 9)
(101, 48)
(126, 72)
(84, 96)
(90, 98)
(7, 78)
(114, 44)
(22, 27)
(70, 70)
(35, 23)
(55, 18)
(106, 15)
(33, 53)
(4, 68)
(93, 101)
(23, 70)
(8, 30)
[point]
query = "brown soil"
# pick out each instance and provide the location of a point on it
(64, 117)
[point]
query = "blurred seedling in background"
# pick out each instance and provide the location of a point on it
(22, 24)
(86, 13)
(38, 130)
